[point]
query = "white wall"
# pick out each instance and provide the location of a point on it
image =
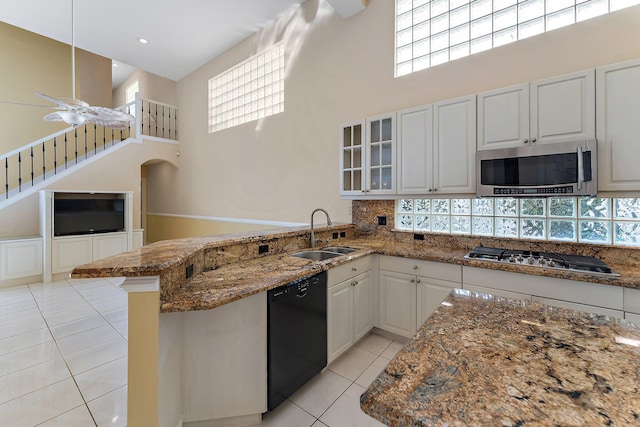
(339, 70)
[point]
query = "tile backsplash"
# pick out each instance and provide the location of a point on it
(366, 213)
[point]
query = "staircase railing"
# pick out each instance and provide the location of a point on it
(40, 160)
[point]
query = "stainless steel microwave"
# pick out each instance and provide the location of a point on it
(561, 169)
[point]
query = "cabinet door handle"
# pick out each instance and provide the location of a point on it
(413, 280)
(417, 280)
(415, 267)
(354, 269)
(430, 190)
(354, 283)
(526, 140)
(435, 189)
(533, 140)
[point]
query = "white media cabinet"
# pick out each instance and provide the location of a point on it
(62, 253)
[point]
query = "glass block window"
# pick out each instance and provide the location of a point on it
(249, 91)
(430, 32)
(586, 220)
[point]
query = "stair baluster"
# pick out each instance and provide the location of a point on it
(6, 177)
(55, 156)
(32, 166)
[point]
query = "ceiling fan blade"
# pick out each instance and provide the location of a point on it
(76, 103)
(26, 104)
(66, 103)
(111, 114)
(110, 123)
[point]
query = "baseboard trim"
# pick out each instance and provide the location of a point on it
(241, 421)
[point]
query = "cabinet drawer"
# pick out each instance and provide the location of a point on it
(635, 318)
(632, 300)
(579, 307)
(546, 287)
(436, 270)
(497, 292)
(346, 271)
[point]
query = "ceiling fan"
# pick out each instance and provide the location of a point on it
(74, 111)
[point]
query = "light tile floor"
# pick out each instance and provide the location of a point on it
(63, 354)
(63, 362)
(332, 398)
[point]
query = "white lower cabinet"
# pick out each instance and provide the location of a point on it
(583, 296)
(20, 258)
(71, 251)
(632, 305)
(579, 307)
(429, 294)
(350, 305)
(105, 245)
(397, 303)
(497, 292)
(410, 290)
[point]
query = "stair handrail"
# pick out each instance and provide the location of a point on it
(164, 117)
(33, 144)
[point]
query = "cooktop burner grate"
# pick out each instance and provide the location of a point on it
(578, 263)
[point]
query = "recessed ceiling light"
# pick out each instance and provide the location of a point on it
(143, 40)
(114, 64)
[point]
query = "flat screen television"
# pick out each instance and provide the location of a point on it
(74, 216)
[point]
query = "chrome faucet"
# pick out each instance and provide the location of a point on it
(313, 236)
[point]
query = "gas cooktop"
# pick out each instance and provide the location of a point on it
(578, 263)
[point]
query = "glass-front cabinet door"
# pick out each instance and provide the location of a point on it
(380, 159)
(352, 159)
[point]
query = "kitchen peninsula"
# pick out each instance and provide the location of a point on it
(198, 277)
(483, 360)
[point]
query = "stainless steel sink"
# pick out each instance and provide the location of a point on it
(339, 249)
(324, 253)
(316, 255)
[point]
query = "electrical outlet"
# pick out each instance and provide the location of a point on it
(189, 271)
(418, 237)
(382, 220)
(263, 249)
(343, 234)
(334, 235)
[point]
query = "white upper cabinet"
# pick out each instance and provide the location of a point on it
(547, 111)
(563, 108)
(454, 146)
(503, 117)
(367, 158)
(618, 124)
(352, 158)
(415, 150)
(436, 148)
(380, 155)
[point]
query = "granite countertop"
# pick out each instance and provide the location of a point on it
(228, 267)
(525, 364)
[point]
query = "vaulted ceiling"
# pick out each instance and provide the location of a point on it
(182, 34)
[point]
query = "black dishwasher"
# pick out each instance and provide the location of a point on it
(297, 335)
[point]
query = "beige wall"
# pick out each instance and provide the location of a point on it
(340, 70)
(151, 86)
(32, 63)
(21, 218)
(160, 227)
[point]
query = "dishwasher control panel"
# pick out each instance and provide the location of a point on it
(299, 286)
